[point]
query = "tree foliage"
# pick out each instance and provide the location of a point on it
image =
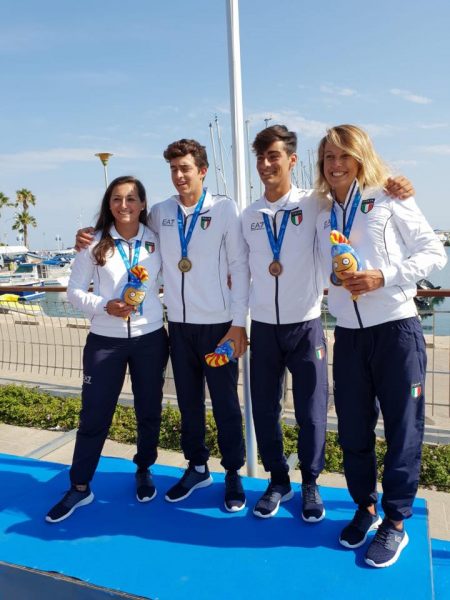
(23, 219)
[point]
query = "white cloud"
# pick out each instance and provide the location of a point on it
(47, 160)
(400, 164)
(307, 128)
(337, 91)
(432, 125)
(378, 130)
(410, 96)
(436, 149)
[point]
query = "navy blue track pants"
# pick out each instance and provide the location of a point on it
(105, 360)
(301, 347)
(188, 345)
(381, 367)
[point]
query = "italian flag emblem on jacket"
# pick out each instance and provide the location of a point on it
(320, 352)
(416, 390)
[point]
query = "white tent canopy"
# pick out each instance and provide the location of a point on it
(9, 250)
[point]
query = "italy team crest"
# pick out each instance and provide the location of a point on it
(320, 352)
(296, 216)
(150, 247)
(367, 205)
(205, 222)
(416, 390)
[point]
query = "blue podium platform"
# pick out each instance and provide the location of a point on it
(195, 549)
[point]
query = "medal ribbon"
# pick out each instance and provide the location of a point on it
(276, 244)
(349, 223)
(185, 239)
(125, 259)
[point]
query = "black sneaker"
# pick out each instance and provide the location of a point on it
(355, 533)
(386, 546)
(234, 492)
(191, 480)
(312, 505)
(145, 488)
(72, 500)
(269, 503)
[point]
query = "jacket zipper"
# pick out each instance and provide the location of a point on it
(355, 305)
(130, 258)
(182, 278)
(275, 235)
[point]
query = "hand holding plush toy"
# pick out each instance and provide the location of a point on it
(344, 258)
(135, 289)
(221, 355)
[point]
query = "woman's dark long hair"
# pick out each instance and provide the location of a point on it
(105, 217)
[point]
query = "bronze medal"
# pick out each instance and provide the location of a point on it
(185, 264)
(275, 268)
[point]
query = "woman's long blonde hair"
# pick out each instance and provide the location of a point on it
(373, 172)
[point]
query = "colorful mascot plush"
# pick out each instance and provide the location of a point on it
(344, 258)
(135, 289)
(221, 355)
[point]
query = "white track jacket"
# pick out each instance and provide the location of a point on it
(295, 295)
(109, 281)
(392, 236)
(216, 250)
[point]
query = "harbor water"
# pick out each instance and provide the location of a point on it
(56, 305)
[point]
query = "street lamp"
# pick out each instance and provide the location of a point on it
(104, 157)
(58, 240)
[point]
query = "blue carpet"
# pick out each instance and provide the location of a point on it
(440, 550)
(195, 549)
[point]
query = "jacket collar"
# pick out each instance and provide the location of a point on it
(116, 236)
(291, 202)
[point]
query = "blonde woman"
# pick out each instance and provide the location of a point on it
(379, 351)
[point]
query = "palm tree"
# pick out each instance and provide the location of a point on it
(4, 200)
(23, 219)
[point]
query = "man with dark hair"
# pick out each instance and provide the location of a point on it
(286, 329)
(203, 312)
(202, 246)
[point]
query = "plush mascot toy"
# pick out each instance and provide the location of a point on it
(344, 258)
(135, 289)
(221, 355)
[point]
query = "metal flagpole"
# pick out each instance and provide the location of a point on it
(237, 122)
(214, 157)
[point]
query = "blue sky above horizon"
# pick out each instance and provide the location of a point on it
(129, 78)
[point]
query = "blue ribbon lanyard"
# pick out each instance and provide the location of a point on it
(185, 239)
(276, 244)
(125, 258)
(349, 222)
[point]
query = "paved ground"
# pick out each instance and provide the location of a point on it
(58, 447)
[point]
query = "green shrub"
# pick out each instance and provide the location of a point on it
(34, 408)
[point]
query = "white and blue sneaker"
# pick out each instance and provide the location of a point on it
(386, 546)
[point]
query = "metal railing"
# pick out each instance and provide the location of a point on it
(41, 342)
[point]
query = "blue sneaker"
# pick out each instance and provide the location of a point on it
(72, 500)
(386, 546)
(313, 510)
(234, 492)
(191, 480)
(269, 503)
(145, 488)
(355, 533)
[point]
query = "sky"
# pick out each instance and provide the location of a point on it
(85, 76)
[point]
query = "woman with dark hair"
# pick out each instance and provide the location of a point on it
(379, 351)
(126, 330)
